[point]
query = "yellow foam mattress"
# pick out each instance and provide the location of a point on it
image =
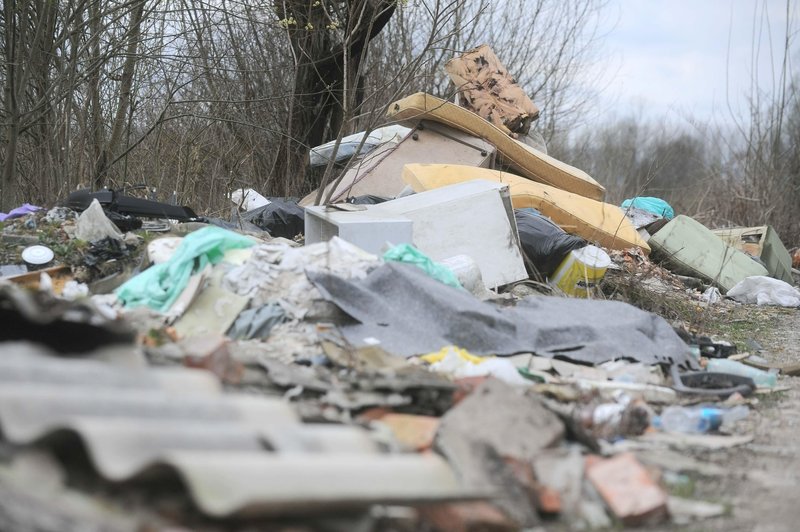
(597, 222)
(528, 162)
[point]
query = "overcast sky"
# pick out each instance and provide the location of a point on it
(679, 57)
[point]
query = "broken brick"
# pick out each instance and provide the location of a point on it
(476, 516)
(413, 431)
(211, 352)
(628, 489)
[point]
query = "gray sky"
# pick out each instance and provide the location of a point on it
(679, 57)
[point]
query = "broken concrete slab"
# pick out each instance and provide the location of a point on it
(499, 415)
(678, 441)
(493, 424)
(684, 511)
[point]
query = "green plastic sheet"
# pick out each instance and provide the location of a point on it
(411, 255)
(160, 285)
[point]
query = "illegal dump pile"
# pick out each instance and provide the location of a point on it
(450, 349)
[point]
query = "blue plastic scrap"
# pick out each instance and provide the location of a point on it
(410, 255)
(650, 204)
(160, 285)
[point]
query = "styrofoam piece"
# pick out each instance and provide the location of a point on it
(248, 198)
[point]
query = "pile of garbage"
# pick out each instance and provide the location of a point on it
(438, 346)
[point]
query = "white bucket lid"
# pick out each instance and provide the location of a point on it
(593, 257)
(37, 255)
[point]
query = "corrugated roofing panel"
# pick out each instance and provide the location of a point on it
(236, 453)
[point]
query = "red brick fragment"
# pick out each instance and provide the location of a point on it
(628, 489)
(476, 516)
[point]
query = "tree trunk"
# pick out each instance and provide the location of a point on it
(123, 105)
(12, 111)
(316, 109)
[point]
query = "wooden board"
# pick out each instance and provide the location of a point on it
(597, 222)
(59, 274)
(528, 162)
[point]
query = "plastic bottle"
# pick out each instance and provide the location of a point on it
(761, 378)
(698, 420)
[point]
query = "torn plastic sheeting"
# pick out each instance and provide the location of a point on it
(159, 286)
(408, 254)
(93, 224)
(279, 218)
(412, 314)
(544, 244)
(763, 290)
(257, 322)
(22, 210)
(655, 205)
(349, 145)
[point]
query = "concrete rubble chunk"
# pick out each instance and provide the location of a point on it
(684, 511)
(499, 415)
(561, 470)
(494, 423)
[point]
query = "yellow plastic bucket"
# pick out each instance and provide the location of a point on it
(581, 270)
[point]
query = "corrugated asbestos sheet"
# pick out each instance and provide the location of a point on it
(236, 454)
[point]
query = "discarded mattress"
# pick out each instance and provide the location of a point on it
(687, 247)
(528, 162)
(762, 242)
(593, 220)
(411, 314)
(380, 173)
(486, 88)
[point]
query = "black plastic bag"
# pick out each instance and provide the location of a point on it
(544, 244)
(367, 199)
(279, 218)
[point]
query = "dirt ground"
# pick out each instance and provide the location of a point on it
(760, 483)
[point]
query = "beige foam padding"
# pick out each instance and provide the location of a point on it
(597, 222)
(485, 87)
(528, 162)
